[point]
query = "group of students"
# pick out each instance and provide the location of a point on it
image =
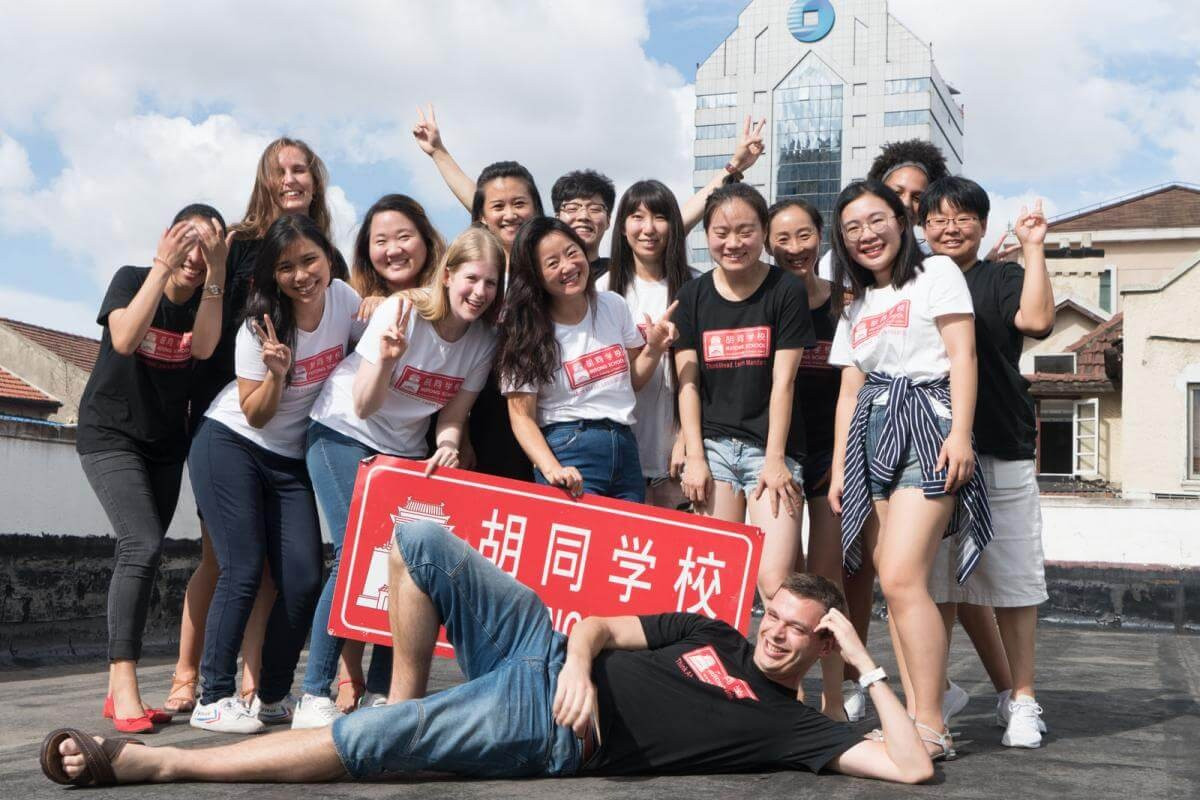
(870, 386)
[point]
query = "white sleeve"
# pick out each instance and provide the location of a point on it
(368, 343)
(247, 356)
(602, 283)
(948, 292)
(839, 351)
(630, 335)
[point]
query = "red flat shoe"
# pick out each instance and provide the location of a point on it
(142, 724)
(159, 716)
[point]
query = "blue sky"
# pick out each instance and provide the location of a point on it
(1075, 101)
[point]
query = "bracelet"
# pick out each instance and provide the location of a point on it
(453, 447)
(158, 260)
(871, 678)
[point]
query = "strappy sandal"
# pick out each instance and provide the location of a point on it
(185, 704)
(98, 758)
(942, 740)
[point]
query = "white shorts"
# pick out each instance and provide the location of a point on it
(1011, 573)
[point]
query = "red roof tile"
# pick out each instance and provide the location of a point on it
(13, 388)
(1172, 206)
(1089, 349)
(78, 350)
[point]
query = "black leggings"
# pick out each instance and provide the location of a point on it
(139, 498)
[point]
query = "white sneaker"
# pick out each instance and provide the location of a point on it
(314, 712)
(1002, 715)
(954, 701)
(371, 700)
(854, 701)
(277, 713)
(226, 715)
(1023, 729)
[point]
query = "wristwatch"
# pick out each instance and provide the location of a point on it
(213, 290)
(874, 676)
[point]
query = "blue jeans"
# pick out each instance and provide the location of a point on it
(739, 463)
(332, 460)
(604, 452)
(908, 469)
(498, 724)
(258, 506)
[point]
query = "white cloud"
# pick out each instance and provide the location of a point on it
(50, 312)
(15, 172)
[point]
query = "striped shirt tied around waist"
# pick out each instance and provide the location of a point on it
(909, 420)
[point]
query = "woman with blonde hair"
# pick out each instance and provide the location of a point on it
(290, 179)
(427, 352)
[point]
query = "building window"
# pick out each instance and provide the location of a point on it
(700, 255)
(1106, 288)
(808, 135)
(760, 97)
(906, 86)
(1193, 397)
(920, 116)
(723, 100)
(1087, 437)
(722, 131)
(1069, 437)
(1054, 363)
(712, 162)
(760, 50)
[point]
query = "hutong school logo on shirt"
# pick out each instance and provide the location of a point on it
(705, 665)
(166, 348)
(736, 346)
(315, 369)
(428, 386)
(872, 326)
(596, 366)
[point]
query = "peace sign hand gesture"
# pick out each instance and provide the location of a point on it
(426, 132)
(662, 333)
(1031, 225)
(275, 354)
(750, 144)
(393, 342)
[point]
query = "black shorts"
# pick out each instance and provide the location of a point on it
(817, 467)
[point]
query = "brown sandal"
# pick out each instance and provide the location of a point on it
(184, 705)
(98, 758)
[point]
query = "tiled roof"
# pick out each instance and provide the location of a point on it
(13, 388)
(1089, 349)
(1171, 206)
(78, 350)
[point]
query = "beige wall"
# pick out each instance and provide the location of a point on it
(1162, 355)
(1109, 446)
(1069, 327)
(61, 379)
(1137, 263)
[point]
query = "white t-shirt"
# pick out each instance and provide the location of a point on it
(314, 358)
(655, 407)
(429, 374)
(593, 380)
(894, 331)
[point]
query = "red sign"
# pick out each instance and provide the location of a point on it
(737, 344)
(596, 366)
(428, 386)
(315, 369)
(166, 348)
(869, 327)
(584, 556)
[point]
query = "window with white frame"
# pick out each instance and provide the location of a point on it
(1068, 437)
(1193, 439)
(1086, 458)
(721, 100)
(1054, 363)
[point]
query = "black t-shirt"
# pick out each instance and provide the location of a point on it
(817, 385)
(695, 702)
(139, 402)
(735, 344)
(599, 267)
(1004, 415)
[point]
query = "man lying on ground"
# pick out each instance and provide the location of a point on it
(670, 693)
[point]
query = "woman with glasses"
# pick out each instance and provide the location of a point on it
(904, 462)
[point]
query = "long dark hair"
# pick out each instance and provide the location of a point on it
(528, 350)
(265, 297)
(657, 199)
(365, 280)
(847, 271)
(504, 169)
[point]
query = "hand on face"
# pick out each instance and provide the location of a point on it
(175, 244)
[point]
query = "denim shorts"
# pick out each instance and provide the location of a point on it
(739, 463)
(604, 452)
(499, 723)
(908, 467)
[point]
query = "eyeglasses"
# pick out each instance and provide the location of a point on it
(940, 223)
(592, 209)
(854, 231)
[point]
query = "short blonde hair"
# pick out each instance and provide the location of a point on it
(476, 243)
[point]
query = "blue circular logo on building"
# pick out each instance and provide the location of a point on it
(810, 20)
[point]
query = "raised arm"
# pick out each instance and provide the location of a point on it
(1035, 317)
(749, 147)
(127, 326)
(206, 331)
(575, 697)
(372, 379)
(429, 139)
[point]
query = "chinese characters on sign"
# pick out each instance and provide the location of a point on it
(582, 557)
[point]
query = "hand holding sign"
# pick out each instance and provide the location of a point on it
(276, 355)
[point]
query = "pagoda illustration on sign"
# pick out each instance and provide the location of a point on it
(375, 588)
